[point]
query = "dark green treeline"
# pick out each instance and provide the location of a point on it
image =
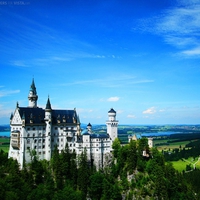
(129, 175)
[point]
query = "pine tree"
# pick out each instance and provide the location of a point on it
(132, 156)
(83, 173)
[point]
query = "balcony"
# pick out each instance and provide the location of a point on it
(15, 143)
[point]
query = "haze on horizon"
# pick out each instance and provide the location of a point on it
(140, 58)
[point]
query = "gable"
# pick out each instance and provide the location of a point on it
(16, 118)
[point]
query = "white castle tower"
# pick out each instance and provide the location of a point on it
(48, 121)
(32, 97)
(112, 124)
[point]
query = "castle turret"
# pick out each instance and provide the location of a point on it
(89, 128)
(112, 124)
(48, 120)
(32, 97)
(78, 126)
(150, 142)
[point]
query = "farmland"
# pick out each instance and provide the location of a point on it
(4, 143)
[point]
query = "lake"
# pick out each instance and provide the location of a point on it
(6, 133)
(167, 133)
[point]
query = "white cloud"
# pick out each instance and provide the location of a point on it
(82, 110)
(18, 63)
(131, 116)
(120, 111)
(112, 82)
(151, 110)
(113, 99)
(179, 26)
(5, 112)
(192, 52)
(4, 93)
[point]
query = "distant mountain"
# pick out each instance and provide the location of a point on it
(4, 128)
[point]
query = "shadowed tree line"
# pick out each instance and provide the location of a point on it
(129, 175)
(190, 150)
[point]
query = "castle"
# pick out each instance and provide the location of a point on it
(38, 129)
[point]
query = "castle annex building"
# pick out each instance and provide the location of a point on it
(34, 128)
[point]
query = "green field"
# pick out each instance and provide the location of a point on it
(180, 165)
(166, 144)
(4, 144)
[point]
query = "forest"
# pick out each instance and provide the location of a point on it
(134, 172)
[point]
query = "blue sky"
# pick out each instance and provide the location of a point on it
(139, 57)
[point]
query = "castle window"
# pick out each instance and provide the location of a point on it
(35, 147)
(39, 153)
(97, 150)
(28, 129)
(56, 128)
(35, 141)
(28, 135)
(58, 139)
(43, 140)
(33, 134)
(97, 145)
(43, 128)
(40, 141)
(33, 129)
(43, 152)
(28, 148)
(28, 141)
(61, 139)
(43, 146)
(70, 145)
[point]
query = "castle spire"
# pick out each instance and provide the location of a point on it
(33, 88)
(32, 97)
(48, 105)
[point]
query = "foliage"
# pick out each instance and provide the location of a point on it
(131, 174)
(116, 147)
